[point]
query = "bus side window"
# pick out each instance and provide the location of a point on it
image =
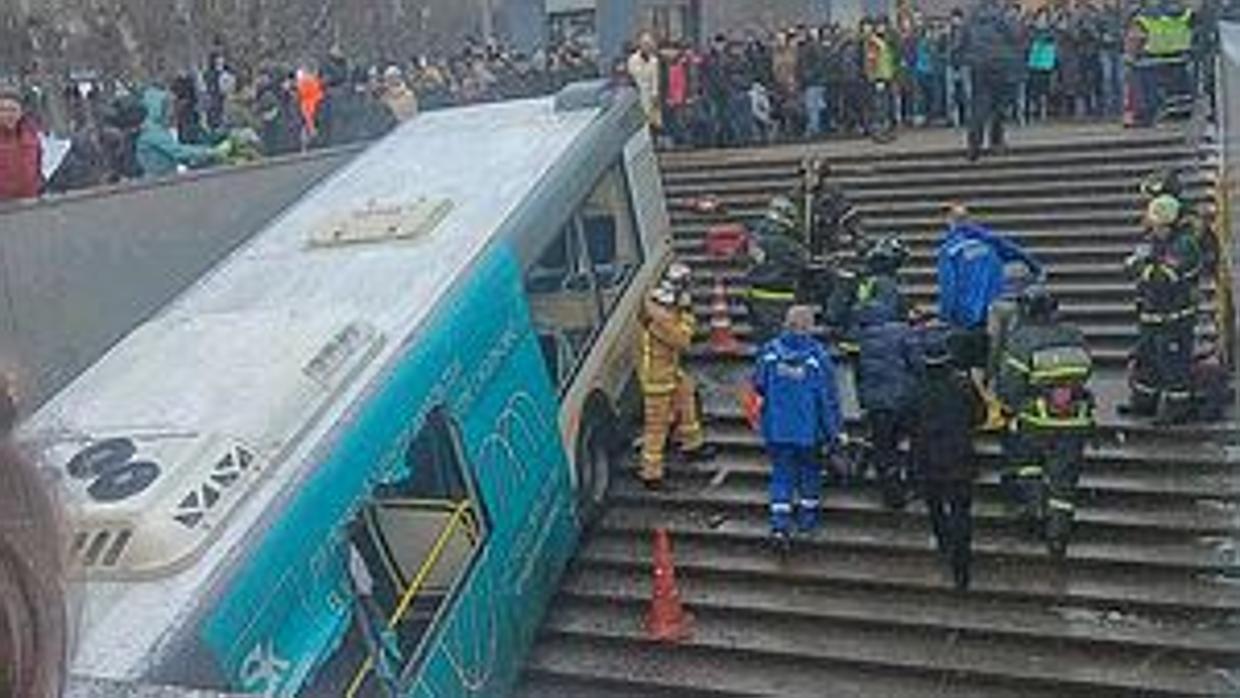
(563, 303)
(426, 527)
(611, 239)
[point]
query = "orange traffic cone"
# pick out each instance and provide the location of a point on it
(722, 339)
(668, 620)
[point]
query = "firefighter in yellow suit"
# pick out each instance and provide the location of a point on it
(669, 394)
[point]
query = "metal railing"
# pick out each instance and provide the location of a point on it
(461, 517)
(1227, 186)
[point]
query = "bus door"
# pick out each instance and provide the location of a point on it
(407, 548)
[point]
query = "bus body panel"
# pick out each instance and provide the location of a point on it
(285, 609)
(611, 365)
(270, 598)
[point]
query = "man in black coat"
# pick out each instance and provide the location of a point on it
(946, 410)
(990, 47)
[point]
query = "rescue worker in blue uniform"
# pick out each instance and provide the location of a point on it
(795, 377)
(1166, 270)
(1042, 384)
(971, 261)
(779, 263)
(871, 317)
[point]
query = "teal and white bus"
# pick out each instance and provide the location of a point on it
(355, 457)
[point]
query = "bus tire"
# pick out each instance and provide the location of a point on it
(597, 458)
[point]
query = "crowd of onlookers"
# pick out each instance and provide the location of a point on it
(1076, 59)
(227, 113)
(1073, 58)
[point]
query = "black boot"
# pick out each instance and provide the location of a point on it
(960, 577)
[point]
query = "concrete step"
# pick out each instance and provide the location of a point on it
(1042, 183)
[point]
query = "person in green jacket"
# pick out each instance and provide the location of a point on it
(158, 151)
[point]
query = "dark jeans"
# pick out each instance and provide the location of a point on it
(887, 427)
(950, 503)
(992, 97)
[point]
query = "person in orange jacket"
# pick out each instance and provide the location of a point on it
(669, 394)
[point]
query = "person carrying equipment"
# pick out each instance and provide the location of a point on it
(669, 394)
(779, 264)
(1042, 384)
(870, 316)
(873, 296)
(826, 215)
(800, 414)
(1166, 269)
(946, 409)
(971, 275)
(1168, 182)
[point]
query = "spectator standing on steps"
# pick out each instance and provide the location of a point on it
(991, 49)
(643, 67)
(946, 410)
(800, 415)
(20, 150)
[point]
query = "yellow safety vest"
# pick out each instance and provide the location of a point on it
(1169, 35)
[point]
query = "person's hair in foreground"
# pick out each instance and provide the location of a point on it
(33, 622)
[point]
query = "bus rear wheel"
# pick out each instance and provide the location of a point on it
(597, 457)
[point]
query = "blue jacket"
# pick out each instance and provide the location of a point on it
(889, 366)
(796, 379)
(157, 150)
(970, 261)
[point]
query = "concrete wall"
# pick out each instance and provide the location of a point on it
(78, 272)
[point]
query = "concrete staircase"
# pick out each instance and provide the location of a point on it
(1146, 602)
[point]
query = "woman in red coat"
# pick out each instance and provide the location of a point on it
(20, 151)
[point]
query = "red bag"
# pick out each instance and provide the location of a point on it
(726, 240)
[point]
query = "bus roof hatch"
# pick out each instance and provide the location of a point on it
(377, 221)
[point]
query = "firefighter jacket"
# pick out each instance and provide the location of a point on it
(863, 300)
(666, 334)
(796, 379)
(832, 219)
(780, 264)
(1042, 379)
(1167, 274)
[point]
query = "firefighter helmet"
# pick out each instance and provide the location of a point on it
(1163, 211)
(1037, 303)
(782, 212)
(1162, 182)
(886, 255)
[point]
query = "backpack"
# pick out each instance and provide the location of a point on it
(1058, 376)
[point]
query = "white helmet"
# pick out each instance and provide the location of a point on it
(664, 294)
(677, 274)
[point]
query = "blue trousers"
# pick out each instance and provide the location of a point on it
(817, 118)
(796, 487)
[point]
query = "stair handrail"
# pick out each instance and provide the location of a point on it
(1227, 184)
